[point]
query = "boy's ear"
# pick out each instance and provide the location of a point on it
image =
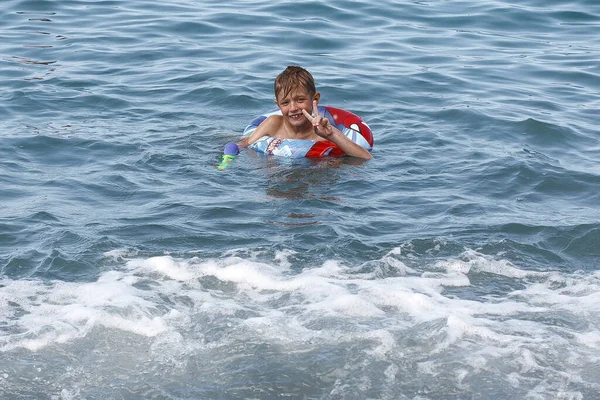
(317, 96)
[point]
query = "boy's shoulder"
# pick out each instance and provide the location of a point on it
(273, 124)
(275, 118)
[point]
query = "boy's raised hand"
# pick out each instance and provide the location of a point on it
(322, 126)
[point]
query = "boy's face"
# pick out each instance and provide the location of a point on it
(291, 106)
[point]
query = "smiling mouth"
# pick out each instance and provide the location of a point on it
(296, 116)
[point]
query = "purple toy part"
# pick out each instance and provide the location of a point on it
(231, 149)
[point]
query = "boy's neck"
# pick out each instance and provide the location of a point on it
(299, 132)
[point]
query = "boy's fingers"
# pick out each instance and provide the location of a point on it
(307, 115)
(315, 109)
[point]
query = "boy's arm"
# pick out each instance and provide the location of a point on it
(346, 145)
(263, 129)
(324, 129)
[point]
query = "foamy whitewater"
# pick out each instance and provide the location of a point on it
(462, 262)
(381, 329)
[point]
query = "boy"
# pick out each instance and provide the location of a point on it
(297, 97)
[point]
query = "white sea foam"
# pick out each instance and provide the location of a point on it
(42, 313)
(472, 261)
(549, 325)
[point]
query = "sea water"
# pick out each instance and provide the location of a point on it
(462, 262)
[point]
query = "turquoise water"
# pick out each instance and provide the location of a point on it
(461, 262)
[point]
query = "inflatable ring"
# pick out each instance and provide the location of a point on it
(352, 126)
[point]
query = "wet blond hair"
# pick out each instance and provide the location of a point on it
(293, 77)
